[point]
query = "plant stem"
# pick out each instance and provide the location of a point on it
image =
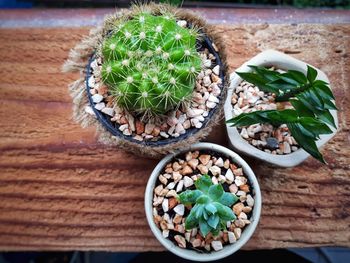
(292, 93)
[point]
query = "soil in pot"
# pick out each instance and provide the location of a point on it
(275, 140)
(177, 122)
(179, 175)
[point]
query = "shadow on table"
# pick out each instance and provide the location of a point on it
(316, 255)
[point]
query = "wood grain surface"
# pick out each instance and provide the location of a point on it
(61, 190)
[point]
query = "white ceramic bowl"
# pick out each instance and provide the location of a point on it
(281, 61)
(228, 249)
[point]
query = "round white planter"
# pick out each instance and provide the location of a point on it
(281, 61)
(228, 249)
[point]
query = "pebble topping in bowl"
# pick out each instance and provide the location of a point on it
(180, 175)
(205, 97)
(275, 140)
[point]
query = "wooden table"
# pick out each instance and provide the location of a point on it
(61, 190)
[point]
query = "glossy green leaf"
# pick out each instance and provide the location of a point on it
(326, 117)
(205, 214)
(213, 221)
(204, 227)
(315, 125)
(306, 143)
(216, 231)
(203, 183)
(297, 76)
(215, 191)
(211, 209)
(198, 211)
(228, 199)
(311, 73)
(224, 212)
(257, 80)
(268, 74)
(189, 197)
(290, 78)
(281, 84)
(203, 199)
(322, 87)
(191, 221)
(301, 109)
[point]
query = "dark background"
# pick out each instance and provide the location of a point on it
(319, 255)
(340, 4)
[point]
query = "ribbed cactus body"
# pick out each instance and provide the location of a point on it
(150, 63)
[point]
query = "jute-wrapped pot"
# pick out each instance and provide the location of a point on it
(109, 133)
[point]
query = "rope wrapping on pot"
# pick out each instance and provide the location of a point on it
(77, 62)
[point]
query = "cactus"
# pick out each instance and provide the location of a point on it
(212, 206)
(150, 63)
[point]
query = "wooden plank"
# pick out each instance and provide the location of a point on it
(61, 190)
(75, 17)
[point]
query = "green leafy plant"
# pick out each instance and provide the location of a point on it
(150, 63)
(212, 206)
(310, 98)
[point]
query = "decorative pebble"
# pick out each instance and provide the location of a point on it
(215, 170)
(171, 193)
(108, 111)
(97, 98)
(219, 162)
(193, 163)
(179, 186)
(100, 106)
(203, 169)
(176, 176)
(188, 181)
(231, 237)
(186, 170)
(196, 242)
(237, 208)
(165, 233)
(272, 143)
(180, 209)
(216, 70)
(237, 232)
(240, 180)
(182, 23)
(180, 241)
(204, 158)
(171, 185)
(286, 147)
(250, 201)
(165, 205)
(237, 172)
(216, 245)
(229, 175)
(233, 188)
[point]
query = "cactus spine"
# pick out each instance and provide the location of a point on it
(150, 63)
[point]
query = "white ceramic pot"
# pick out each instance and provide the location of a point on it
(281, 61)
(228, 249)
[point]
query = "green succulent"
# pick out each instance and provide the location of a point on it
(311, 99)
(150, 63)
(212, 206)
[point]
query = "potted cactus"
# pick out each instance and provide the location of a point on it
(280, 109)
(154, 79)
(203, 203)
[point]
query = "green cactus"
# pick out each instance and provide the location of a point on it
(212, 206)
(150, 63)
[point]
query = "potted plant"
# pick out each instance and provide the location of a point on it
(203, 203)
(153, 79)
(280, 110)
